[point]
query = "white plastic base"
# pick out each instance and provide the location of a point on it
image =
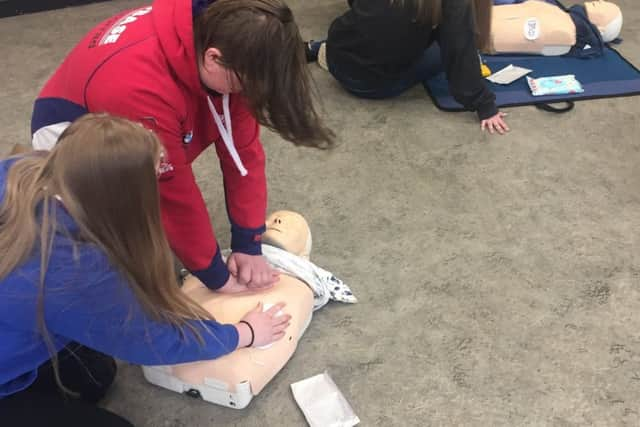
(555, 50)
(211, 391)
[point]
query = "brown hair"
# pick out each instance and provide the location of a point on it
(430, 12)
(260, 42)
(103, 172)
(482, 15)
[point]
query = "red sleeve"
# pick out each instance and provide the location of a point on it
(185, 217)
(246, 196)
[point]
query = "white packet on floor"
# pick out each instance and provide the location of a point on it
(322, 402)
(508, 74)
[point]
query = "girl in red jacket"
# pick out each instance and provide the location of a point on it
(196, 74)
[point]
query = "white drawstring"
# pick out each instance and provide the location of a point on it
(225, 131)
(55, 196)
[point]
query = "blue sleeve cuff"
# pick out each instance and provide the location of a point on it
(216, 275)
(247, 240)
(226, 337)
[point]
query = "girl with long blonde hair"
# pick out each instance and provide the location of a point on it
(86, 274)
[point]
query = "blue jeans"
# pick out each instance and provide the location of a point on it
(428, 66)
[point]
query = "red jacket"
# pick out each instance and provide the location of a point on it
(141, 64)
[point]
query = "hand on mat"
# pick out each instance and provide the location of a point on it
(495, 123)
(267, 326)
(252, 271)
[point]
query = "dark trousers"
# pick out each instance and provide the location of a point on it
(426, 67)
(83, 371)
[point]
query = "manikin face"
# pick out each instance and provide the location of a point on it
(607, 17)
(217, 76)
(289, 231)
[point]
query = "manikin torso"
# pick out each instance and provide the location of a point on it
(256, 366)
(538, 27)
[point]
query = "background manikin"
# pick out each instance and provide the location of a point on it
(538, 27)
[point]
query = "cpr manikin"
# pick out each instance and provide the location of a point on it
(538, 27)
(234, 379)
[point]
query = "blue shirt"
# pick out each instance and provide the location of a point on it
(88, 301)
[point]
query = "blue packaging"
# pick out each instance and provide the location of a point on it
(555, 85)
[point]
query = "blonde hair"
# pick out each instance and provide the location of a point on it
(103, 172)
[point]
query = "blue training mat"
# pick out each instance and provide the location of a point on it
(606, 76)
(610, 75)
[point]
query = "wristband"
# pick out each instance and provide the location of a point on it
(253, 336)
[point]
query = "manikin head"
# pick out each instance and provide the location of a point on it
(289, 231)
(607, 17)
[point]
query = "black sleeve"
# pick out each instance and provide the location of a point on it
(460, 59)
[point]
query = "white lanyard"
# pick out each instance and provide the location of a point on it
(226, 132)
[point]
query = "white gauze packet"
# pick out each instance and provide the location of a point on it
(322, 402)
(508, 74)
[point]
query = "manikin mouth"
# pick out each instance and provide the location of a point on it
(274, 229)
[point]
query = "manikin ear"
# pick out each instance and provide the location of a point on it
(211, 59)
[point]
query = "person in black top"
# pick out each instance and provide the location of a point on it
(379, 49)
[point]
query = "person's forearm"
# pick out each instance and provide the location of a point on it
(215, 275)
